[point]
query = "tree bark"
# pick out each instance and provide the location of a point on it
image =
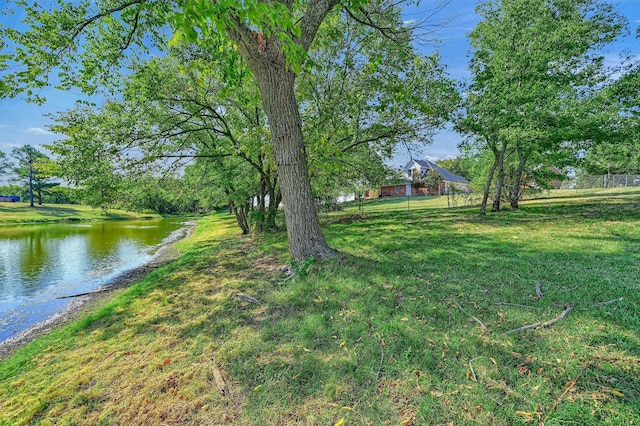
(240, 212)
(267, 60)
(516, 189)
(500, 182)
(487, 187)
(281, 107)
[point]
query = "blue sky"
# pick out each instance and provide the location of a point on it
(23, 123)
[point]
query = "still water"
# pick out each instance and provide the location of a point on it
(39, 263)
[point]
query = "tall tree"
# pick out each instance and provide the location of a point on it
(615, 145)
(273, 37)
(533, 65)
(29, 170)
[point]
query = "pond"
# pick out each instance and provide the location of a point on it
(41, 263)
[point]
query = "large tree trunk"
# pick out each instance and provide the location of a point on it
(267, 60)
(280, 105)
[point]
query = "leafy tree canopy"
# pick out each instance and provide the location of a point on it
(86, 41)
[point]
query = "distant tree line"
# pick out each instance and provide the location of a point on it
(35, 178)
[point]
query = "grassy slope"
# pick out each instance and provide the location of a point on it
(12, 213)
(388, 333)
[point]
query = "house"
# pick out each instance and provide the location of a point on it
(414, 173)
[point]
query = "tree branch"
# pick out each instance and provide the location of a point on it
(78, 28)
(352, 145)
(312, 19)
(564, 313)
(133, 30)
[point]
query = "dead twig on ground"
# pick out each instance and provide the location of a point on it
(539, 290)
(564, 313)
(217, 377)
(568, 388)
(248, 298)
(482, 325)
(473, 373)
(608, 302)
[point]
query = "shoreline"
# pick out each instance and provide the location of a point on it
(75, 220)
(86, 302)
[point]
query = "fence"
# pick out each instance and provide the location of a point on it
(602, 181)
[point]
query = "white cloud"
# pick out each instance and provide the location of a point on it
(37, 131)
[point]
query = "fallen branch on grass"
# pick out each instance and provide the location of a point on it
(219, 379)
(564, 313)
(539, 290)
(473, 373)
(484, 327)
(248, 298)
(608, 302)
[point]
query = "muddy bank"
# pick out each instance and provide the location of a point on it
(84, 303)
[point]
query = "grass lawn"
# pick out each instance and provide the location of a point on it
(12, 213)
(412, 324)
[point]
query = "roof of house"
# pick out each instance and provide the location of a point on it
(447, 176)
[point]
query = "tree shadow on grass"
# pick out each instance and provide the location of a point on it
(391, 328)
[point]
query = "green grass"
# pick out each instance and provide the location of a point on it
(12, 213)
(389, 332)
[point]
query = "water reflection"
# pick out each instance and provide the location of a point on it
(41, 262)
